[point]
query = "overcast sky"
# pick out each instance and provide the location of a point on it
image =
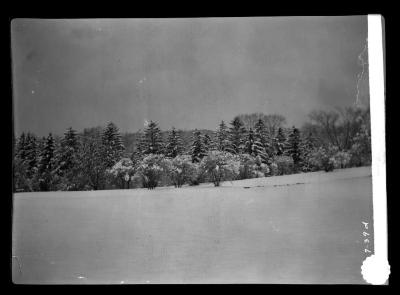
(187, 73)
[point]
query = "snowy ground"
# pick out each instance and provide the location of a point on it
(304, 228)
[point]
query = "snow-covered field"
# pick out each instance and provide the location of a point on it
(304, 228)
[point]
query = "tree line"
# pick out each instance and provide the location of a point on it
(250, 145)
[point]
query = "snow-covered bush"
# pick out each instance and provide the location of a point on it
(361, 148)
(198, 175)
(122, 171)
(262, 169)
(282, 165)
(341, 159)
(251, 167)
(273, 169)
(181, 170)
(247, 168)
(324, 158)
(220, 166)
(151, 169)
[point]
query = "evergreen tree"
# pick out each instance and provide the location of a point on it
(46, 164)
(112, 145)
(208, 143)
(249, 146)
(222, 137)
(254, 147)
(67, 155)
(151, 141)
(308, 144)
(31, 154)
(20, 150)
(263, 138)
(67, 160)
(292, 147)
(237, 134)
(197, 150)
(21, 169)
(174, 146)
(279, 142)
(92, 166)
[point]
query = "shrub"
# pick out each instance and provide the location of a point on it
(220, 166)
(181, 170)
(22, 183)
(361, 148)
(151, 169)
(122, 172)
(251, 167)
(341, 159)
(262, 169)
(324, 158)
(282, 165)
(198, 175)
(247, 167)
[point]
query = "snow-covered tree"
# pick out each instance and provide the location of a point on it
(254, 146)
(208, 142)
(263, 139)
(174, 146)
(249, 147)
(361, 147)
(92, 166)
(67, 156)
(307, 146)
(220, 166)
(112, 145)
(123, 172)
(279, 142)
(32, 153)
(25, 162)
(282, 165)
(292, 146)
(20, 149)
(151, 141)
(237, 133)
(222, 137)
(182, 170)
(323, 157)
(46, 164)
(151, 169)
(197, 149)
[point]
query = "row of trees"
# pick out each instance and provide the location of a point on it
(252, 145)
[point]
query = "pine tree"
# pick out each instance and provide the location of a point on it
(307, 146)
(208, 143)
(197, 150)
(222, 137)
(92, 164)
(174, 146)
(254, 147)
(112, 145)
(308, 143)
(237, 134)
(279, 142)
(20, 167)
(20, 150)
(262, 136)
(46, 164)
(151, 141)
(47, 155)
(31, 154)
(292, 146)
(67, 155)
(249, 147)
